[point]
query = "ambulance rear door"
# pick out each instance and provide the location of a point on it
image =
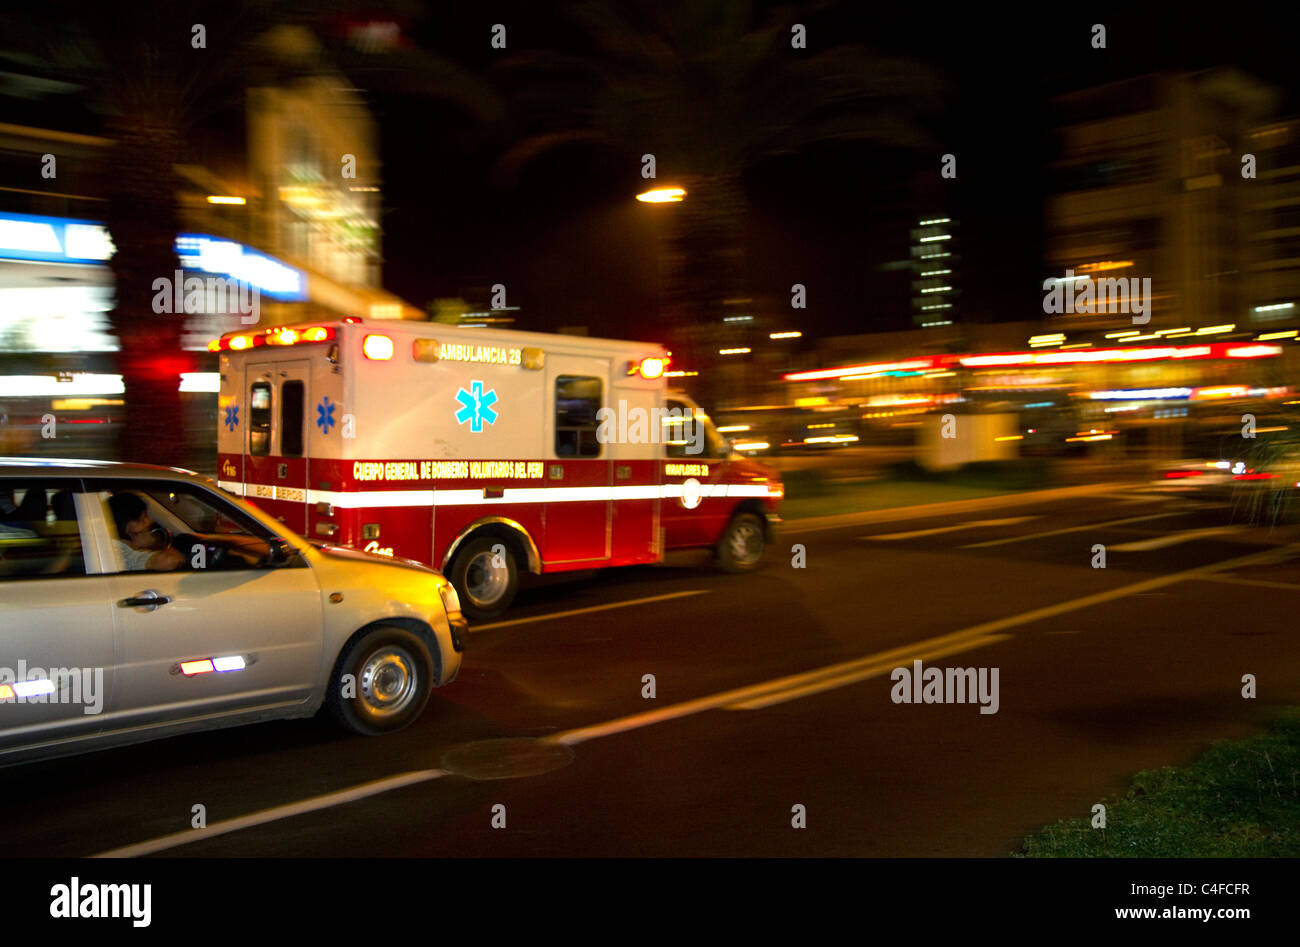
(278, 395)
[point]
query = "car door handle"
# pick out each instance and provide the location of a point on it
(148, 599)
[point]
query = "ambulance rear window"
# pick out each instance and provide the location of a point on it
(259, 419)
(577, 399)
(291, 418)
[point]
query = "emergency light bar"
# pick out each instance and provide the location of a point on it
(278, 335)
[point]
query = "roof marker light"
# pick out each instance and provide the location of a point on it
(189, 668)
(378, 347)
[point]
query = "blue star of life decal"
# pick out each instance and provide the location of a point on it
(232, 417)
(325, 415)
(476, 406)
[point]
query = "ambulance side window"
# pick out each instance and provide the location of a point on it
(673, 435)
(259, 419)
(291, 418)
(685, 434)
(577, 399)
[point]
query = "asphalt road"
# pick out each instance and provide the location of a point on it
(772, 691)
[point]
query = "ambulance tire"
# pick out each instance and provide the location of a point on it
(742, 544)
(381, 681)
(486, 579)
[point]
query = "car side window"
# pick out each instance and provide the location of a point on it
(208, 531)
(40, 534)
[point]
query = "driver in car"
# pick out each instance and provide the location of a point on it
(146, 546)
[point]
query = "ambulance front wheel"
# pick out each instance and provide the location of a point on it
(742, 544)
(486, 577)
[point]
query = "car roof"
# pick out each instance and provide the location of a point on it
(58, 467)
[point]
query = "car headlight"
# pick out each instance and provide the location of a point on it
(450, 600)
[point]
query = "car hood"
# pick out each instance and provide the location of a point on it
(356, 555)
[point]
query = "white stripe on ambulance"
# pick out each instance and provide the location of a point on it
(370, 499)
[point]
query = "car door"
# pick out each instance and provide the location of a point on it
(218, 635)
(56, 620)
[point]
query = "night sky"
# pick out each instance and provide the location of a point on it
(572, 246)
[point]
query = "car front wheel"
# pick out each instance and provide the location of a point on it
(382, 681)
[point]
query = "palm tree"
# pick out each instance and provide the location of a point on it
(711, 88)
(140, 70)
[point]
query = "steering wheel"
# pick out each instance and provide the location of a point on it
(213, 556)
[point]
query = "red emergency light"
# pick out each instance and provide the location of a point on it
(277, 335)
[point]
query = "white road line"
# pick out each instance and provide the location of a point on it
(885, 667)
(1174, 539)
(1071, 529)
(913, 534)
(585, 611)
(315, 803)
(635, 721)
(840, 672)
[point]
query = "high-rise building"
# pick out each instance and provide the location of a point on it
(1149, 185)
(934, 271)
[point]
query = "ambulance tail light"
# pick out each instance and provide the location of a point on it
(377, 347)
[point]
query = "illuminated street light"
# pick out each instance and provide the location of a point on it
(662, 195)
(219, 199)
(785, 335)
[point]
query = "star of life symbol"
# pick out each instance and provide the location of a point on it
(232, 417)
(476, 406)
(325, 415)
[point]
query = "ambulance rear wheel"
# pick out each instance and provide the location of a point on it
(486, 577)
(742, 544)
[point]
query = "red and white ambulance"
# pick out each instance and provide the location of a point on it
(482, 452)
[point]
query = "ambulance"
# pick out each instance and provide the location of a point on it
(482, 452)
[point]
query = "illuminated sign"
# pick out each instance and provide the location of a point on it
(447, 470)
(65, 240)
(53, 239)
(227, 258)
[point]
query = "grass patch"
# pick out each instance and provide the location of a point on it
(1239, 800)
(876, 495)
(808, 492)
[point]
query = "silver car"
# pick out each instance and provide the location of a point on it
(141, 602)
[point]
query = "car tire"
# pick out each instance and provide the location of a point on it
(381, 682)
(486, 578)
(742, 544)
